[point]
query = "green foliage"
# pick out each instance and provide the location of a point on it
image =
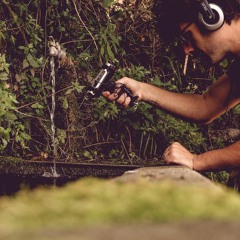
(236, 110)
(10, 126)
(109, 42)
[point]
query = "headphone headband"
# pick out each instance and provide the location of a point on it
(206, 10)
(210, 15)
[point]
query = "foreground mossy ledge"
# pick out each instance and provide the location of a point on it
(93, 201)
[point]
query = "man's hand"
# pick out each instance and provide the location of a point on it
(176, 153)
(122, 98)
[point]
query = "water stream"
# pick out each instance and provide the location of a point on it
(54, 51)
(52, 115)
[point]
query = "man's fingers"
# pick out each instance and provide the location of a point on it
(176, 153)
(121, 99)
(106, 94)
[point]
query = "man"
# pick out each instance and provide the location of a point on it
(213, 28)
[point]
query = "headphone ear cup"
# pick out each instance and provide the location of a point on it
(212, 25)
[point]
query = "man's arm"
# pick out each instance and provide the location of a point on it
(225, 158)
(199, 108)
(221, 159)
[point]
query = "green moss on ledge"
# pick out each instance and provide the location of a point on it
(98, 202)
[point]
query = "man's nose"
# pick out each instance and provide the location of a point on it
(188, 48)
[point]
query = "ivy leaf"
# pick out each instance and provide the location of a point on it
(32, 61)
(37, 106)
(236, 109)
(11, 116)
(25, 63)
(108, 3)
(102, 50)
(65, 104)
(114, 39)
(109, 50)
(3, 76)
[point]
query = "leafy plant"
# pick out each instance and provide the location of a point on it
(10, 126)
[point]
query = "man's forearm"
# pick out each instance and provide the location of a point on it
(225, 158)
(199, 108)
(188, 106)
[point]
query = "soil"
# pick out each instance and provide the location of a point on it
(168, 231)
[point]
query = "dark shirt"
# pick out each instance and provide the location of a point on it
(234, 73)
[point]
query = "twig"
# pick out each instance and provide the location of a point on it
(31, 116)
(28, 104)
(124, 147)
(15, 18)
(101, 143)
(75, 6)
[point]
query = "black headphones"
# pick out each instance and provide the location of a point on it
(210, 15)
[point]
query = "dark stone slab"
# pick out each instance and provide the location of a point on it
(15, 166)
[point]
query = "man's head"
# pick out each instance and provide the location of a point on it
(169, 14)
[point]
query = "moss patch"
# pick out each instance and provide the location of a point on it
(93, 201)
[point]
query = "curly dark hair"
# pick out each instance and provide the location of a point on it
(168, 14)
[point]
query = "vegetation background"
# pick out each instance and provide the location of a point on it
(93, 32)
